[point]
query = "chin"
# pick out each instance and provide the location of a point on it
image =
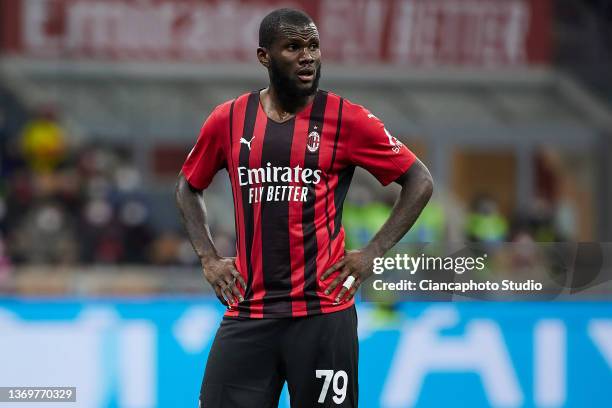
(306, 89)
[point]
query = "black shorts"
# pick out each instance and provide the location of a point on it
(250, 360)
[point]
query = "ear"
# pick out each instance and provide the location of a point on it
(263, 56)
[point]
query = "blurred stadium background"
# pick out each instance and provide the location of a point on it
(506, 101)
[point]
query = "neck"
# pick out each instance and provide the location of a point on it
(283, 104)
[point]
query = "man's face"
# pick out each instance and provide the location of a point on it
(295, 60)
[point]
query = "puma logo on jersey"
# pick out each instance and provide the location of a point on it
(247, 142)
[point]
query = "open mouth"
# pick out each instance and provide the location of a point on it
(306, 75)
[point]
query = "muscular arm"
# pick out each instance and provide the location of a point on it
(220, 272)
(417, 187)
(193, 214)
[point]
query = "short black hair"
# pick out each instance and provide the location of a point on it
(270, 24)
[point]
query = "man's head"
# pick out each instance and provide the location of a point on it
(289, 48)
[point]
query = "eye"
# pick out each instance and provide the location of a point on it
(314, 46)
(292, 47)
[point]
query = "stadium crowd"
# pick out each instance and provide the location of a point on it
(66, 203)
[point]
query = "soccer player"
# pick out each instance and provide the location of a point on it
(290, 150)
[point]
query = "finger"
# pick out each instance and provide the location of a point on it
(220, 295)
(220, 282)
(353, 290)
(347, 285)
(237, 275)
(333, 268)
(239, 278)
(223, 286)
(340, 278)
(230, 289)
(340, 294)
(230, 282)
(231, 300)
(235, 292)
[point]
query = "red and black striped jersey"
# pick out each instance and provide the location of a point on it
(289, 181)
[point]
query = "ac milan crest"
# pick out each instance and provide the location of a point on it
(313, 142)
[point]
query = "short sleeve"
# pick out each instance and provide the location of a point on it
(372, 147)
(207, 156)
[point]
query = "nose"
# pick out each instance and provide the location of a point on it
(306, 56)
